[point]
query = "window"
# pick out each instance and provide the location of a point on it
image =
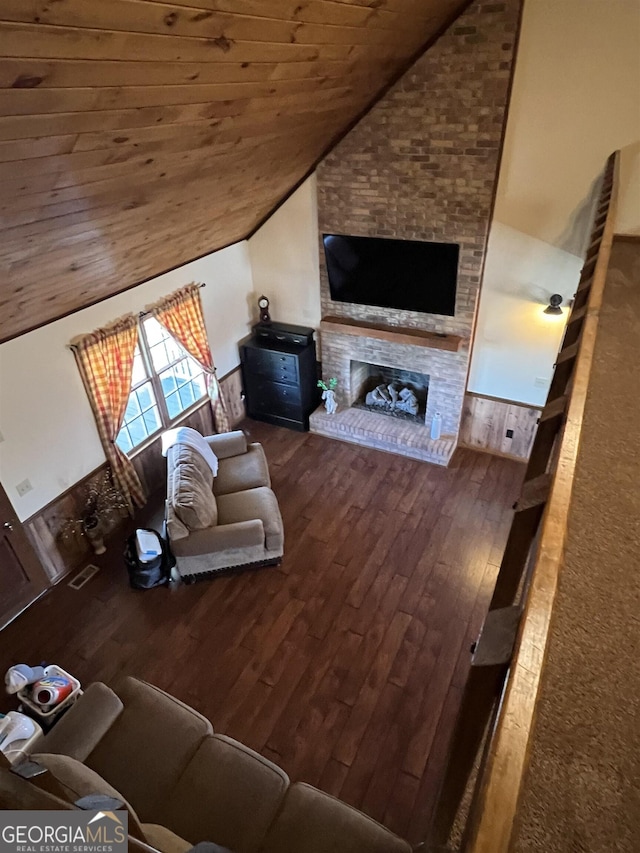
(165, 382)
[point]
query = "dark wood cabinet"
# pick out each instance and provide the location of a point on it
(280, 375)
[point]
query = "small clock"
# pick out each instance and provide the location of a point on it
(263, 304)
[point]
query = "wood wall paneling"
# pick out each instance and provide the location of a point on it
(135, 136)
(231, 386)
(485, 421)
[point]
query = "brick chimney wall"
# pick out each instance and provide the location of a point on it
(423, 163)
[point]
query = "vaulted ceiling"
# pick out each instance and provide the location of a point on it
(136, 135)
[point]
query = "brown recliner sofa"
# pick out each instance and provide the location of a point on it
(224, 523)
(185, 784)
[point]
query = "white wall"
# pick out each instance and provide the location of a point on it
(49, 435)
(628, 213)
(575, 100)
(516, 343)
(284, 259)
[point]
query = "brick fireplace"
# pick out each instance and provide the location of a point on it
(342, 345)
(421, 165)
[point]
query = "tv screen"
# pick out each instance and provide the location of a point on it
(405, 274)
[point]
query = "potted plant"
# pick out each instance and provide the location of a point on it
(104, 505)
(328, 394)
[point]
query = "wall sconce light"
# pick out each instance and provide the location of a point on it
(553, 308)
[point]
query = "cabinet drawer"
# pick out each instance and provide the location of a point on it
(271, 404)
(284, 374)
(275, 398)
(277, 365)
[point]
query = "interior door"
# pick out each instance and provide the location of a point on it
(22, 577)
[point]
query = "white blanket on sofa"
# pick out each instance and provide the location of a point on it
(193, 439)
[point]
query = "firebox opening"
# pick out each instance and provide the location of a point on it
(389, 391)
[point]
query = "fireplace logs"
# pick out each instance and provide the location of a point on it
(393, 397)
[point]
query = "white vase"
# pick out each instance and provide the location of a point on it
(330, 402)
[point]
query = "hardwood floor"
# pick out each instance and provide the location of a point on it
(346, 664)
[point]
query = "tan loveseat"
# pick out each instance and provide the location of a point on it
(185, 784)
(222, 523)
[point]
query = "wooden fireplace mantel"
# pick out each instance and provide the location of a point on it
(395, 334)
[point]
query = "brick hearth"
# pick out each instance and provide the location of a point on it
(384, 433)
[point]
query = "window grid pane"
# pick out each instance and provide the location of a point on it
(133, 408)
(145, 396)
(152, 420)
(174, 407)
(159, 356)
(137, 430)
(187, 397)
(187, 377)
(168, 382)
(124, 441)
(154, 331)
(163, 347)
(181, 374)
(174, 350)
(139, 372)
(141, 418)
(200, 385)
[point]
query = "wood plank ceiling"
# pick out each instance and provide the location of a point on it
(136, 135)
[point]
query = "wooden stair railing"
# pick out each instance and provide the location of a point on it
(550, 423)
(574, 326)
(528, 511)
(498, 701)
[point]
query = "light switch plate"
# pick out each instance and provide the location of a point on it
(23, 487)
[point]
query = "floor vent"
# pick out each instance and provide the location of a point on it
(83, 576)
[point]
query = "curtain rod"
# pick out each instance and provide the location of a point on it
(142, 314)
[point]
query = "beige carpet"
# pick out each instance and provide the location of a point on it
(582, 791)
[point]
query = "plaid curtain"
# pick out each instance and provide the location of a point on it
(105, 362)
(181, 314)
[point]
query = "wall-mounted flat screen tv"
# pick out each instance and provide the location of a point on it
(407, 274)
